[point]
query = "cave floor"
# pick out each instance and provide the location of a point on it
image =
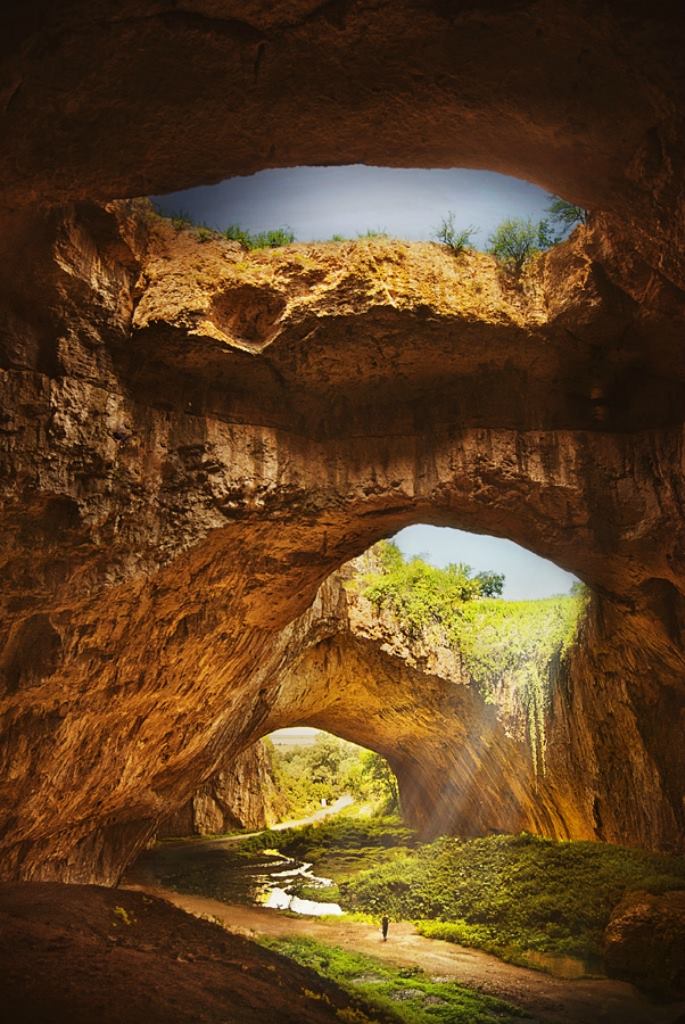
(74, 954)
(556, 1000)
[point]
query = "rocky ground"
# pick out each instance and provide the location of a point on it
(76, 954)
(556, 1000)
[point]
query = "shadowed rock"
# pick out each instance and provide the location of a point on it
(173, 498)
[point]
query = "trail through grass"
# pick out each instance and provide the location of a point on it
(404, 995)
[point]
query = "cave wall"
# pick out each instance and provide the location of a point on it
(471, 763)
(97, 101)
(241, 794)
(192, 440)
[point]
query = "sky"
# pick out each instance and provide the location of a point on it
(527, 575)
(317, 202)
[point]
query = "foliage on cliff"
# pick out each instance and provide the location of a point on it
(452, 606)
(421, 593)
(512, 894)
(517, 643)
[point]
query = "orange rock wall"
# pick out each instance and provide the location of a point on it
(194, 438)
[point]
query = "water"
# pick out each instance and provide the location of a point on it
(222, 872)
(570, 967)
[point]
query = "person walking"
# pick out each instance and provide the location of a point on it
(384, 927)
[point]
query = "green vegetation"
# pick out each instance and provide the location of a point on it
(403, 995)
(272, 239)
(456, 239)
(421, 593)
(328, 769)
(518, 643)
(516, 241)
(373, 233)
(205, 234)
(180, 219)
(340, 847)
(125, 916)
(333, 836)
(566, 215)
(512, 894)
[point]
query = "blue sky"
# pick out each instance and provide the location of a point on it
(317, 202)
(527, 575)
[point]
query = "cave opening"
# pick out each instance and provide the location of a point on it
(318, 773)
(262, 831)
(345, 202)
(226, 430)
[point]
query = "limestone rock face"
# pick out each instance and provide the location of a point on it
(193, 439)
(644, 942)
(97, 101)
(241, 794)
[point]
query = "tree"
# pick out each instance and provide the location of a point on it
(458, 240)
(515, 241)
(566, 214)
(382, 780)
(491, 583)
(324, 759)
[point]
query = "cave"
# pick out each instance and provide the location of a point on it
(193, 449)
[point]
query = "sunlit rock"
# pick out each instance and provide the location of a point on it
(195, 437)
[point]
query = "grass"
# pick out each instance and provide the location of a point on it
(182, 220)
(398, 994)
(271, 239)
(512, 894)
(336, 836)
(339, 848)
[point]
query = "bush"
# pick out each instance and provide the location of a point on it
(510, 894)
(566, 214)
(234, 233)
(272, 239)
(516, 241)
(205, 234)
(457, 241)
(373, 233)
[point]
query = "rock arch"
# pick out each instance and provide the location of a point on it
(210, 490)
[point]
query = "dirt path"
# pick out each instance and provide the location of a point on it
(213, 843)
(549, 999)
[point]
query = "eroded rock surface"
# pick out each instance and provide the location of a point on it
(193, 438)
(645, 939)
(242, 794)
(75, 953)
(96, 101)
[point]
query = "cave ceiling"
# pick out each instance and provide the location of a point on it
(192, 440)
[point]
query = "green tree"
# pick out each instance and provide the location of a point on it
(566, 214)
(491, 583)
(456, 239)
(381, 780)
(515, 241)
(421, 594)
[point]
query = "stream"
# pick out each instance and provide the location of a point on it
(218, 870)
